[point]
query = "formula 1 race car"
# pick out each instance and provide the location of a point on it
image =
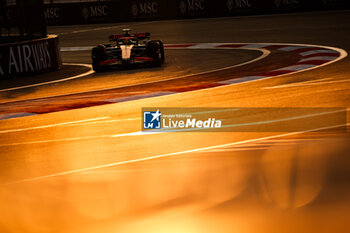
(128, 49)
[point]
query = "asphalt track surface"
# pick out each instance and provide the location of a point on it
(89, 169)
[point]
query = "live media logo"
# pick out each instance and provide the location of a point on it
(178, 119)
(152, 120)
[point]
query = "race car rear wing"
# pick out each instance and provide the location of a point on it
(139, 36)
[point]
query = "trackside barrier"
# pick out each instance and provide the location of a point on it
(30, 57)
(143, 10)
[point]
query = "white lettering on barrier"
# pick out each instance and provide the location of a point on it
(19, 58)
(194, 5)
(99, 10)
(48, 54)
(52, 13)
(148, 8)
(26, 55)
(26, 58)
(42, 55)
(243, 3)
(12, 61)
(35, 57)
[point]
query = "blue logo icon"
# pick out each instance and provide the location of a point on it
(151, 120)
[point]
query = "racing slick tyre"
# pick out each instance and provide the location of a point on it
(162, 51)
(155, 50)
(98, 55)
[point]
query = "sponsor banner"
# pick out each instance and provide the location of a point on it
(238, 7)
(146, 9)
(329, 4)
(29, 57)
(96, 12)
(287, 5)
(142, 10)
(81, 13)
(193, 8)
(54, 14)
(156, 120)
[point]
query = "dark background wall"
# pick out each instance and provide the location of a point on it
(141, 10)
(23, 17)
(102, 11)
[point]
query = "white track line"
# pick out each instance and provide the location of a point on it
(167, 155)
(149, 132)
(54, 125)
(54, 81)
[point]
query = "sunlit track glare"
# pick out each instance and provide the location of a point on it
(169, 154)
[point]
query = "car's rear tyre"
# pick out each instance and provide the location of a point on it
(98, 55)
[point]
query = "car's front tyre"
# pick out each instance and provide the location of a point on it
(98, 55)
(155, 49)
